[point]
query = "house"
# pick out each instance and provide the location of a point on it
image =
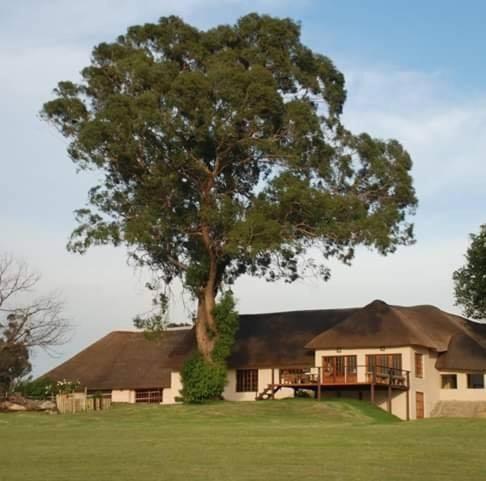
(406, 360)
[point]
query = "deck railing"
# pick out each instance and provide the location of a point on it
(378, 375)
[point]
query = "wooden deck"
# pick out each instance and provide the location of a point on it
(353, 378)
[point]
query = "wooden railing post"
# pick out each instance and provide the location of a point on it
(319, 381)
(408, 396)
(372, 388)
(273, 383)
(389, 399)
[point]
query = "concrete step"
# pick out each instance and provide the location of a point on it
(459, 409)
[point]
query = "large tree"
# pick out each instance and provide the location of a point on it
(222, 153)
(470, 280)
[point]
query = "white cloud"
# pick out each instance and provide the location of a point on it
(92, 21)
(443, 131)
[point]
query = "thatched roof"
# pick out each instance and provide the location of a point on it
(381, 325)
(123, 360)
(463, 354)
(128, 360)
(279, 339)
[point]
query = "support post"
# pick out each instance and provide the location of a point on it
(408, 396)
(389, 399)
(273, 383)
(372, 388)
(319, 383)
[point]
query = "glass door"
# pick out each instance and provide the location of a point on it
(339, 369)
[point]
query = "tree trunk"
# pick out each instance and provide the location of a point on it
(205, 324)
(206, 329)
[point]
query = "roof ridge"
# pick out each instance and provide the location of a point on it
(298, 310)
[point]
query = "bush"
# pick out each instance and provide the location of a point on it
(201, 380)
(300, 393)
(37, 388)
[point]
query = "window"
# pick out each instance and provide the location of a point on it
(247, 380)
(419, 365)
(384, 362)
(448, 381)
(149, 396)
(475, 381)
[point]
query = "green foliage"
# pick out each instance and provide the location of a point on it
(236, 129)
(37, 388)
(203, 380)
(222, 153)
(227, 320)
(66, 386)
(14, 363)
(470, 280)
(301, 393)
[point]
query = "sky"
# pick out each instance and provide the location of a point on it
(414, 71)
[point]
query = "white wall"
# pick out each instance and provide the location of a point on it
(264, 379)
(429, 384)
(230, 394)
(170, 394)
(462, 393)
(123, 396)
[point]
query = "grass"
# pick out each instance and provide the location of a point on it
(273, 440)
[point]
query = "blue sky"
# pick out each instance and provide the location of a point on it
(415, 71)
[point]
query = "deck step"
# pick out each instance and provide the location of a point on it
(267, 393)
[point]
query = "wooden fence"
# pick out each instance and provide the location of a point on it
(82, 402)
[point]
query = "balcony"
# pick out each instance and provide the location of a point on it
(352, 375)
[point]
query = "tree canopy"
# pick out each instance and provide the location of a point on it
(223, 153)
(470, 280)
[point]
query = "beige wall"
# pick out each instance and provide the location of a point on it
(264, 379)
(123, 396)
(230, 394)
(170, 394)
(429, 384)
(462, 393)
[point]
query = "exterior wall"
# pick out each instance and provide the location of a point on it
(230, 394)
(429, 384)
(170, 394)
(462, 393)
(264, 379)
(123, 396)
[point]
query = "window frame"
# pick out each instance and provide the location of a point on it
(471, 384)
(246, 380)
(149, 396)
(382, 363)
(419, 365)
(444, 386)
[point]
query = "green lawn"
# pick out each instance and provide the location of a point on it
(264, 441)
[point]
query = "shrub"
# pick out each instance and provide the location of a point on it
(201, 380)
(37, 388)
(302, 393)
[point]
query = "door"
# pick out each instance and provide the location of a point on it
(419, 405)
(339, 369)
